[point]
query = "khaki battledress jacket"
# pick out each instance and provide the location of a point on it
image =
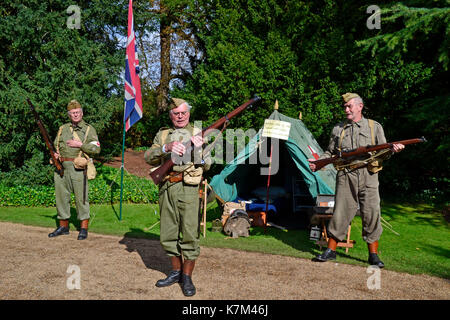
(73, 179)
(178, 201)
(355, 188)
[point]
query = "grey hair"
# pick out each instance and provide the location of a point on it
(359, 100)
(188, 106)
(68, 112)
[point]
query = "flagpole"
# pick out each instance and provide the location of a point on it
(133, 98)
(121, 172)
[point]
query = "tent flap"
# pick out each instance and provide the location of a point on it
(322, 182)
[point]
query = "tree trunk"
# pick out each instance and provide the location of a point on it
(165, 34)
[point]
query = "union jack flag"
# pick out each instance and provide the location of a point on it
(133, 98)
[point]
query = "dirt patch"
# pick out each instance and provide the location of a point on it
(134, 163)
(33, 266)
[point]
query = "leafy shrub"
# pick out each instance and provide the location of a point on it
(105, 188)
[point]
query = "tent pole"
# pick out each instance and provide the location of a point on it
(268, 185)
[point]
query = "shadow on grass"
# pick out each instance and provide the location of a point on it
(419, 215)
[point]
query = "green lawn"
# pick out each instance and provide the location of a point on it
(421, 246)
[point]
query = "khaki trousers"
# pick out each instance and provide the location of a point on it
(353, 188)
(179, 211)
(71, 182)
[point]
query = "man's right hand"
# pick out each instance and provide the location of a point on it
(312, 166)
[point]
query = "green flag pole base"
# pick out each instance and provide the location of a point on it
(121, 172)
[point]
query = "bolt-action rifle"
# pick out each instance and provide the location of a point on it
(161, 172)
(362, 150)
(55, 161)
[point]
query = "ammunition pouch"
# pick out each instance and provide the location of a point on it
(91, 170)
(80, 163)
(174, 177)
(192, 175)
(374, 166)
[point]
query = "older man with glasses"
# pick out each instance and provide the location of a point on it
(74, 139)
(179, 194)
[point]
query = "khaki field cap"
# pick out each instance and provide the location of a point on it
(176, 103)
(349, 96)
(74, 104)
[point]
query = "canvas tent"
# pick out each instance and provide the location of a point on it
(293, 188)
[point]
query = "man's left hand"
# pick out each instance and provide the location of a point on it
(197, 140)
(397, 147)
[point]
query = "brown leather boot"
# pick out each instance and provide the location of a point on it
(62, 229)
(174, 275)
(374, 260)
(186, 279)
(332, 244)
(83, 229)
(329, 253)
(373, 247)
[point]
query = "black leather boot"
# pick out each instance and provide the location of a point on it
(374, 260)
(326, 255)
(187, 285)
(59, 231)
(83, 234)
(173, 277)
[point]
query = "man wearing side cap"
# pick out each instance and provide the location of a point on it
(178, 194)
(357, 182)
(75, 139)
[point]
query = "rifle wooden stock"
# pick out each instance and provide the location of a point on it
(158, 175)
(48, 142)
(361, 150)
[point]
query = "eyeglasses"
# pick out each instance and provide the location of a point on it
(183, 113)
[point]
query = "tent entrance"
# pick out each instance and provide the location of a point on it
(293, 187)
(289, 198)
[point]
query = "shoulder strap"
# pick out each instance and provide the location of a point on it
(164, 135)
(372, 135)
(57, 138)
(342, 136)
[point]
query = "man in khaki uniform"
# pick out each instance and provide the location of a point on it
(73, 140)
(356, 181)
(178, 194)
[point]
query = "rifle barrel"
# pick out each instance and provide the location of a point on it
(361, 150)
(48, 143)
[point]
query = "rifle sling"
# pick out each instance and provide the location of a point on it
(360, 163)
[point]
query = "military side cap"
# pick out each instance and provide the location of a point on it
(176, 103)
(73, 104)
(349, 96)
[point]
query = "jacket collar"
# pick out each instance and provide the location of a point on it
(359, 123)
(78, 126)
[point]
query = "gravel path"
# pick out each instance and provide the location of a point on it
(33, 266)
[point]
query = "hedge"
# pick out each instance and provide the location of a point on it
(105, 188)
